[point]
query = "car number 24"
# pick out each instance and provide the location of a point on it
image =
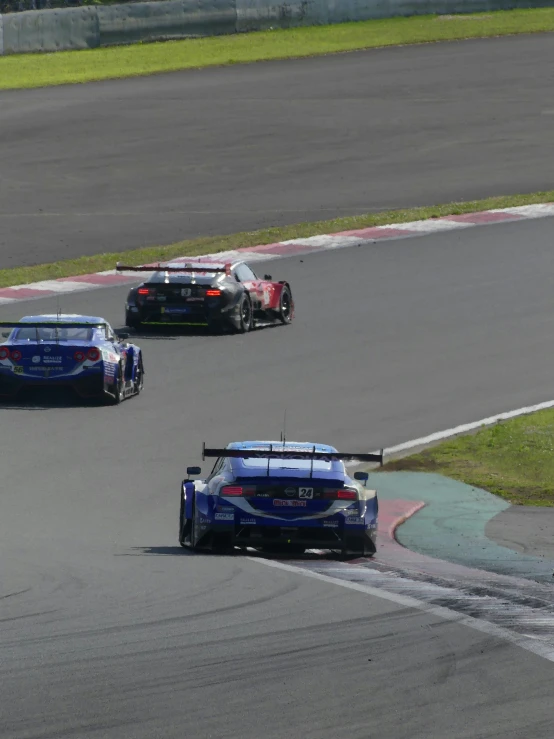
(305, 493)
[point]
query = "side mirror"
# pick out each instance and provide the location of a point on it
(122, 336)
(361, 476)
(267, 277)
(193, 471)
(6, 334)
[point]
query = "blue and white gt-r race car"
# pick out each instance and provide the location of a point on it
(280, 496)
(69, 350)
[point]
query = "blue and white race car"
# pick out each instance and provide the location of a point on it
(276, 496)
(81, 352)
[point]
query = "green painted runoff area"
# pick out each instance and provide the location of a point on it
(70, 67)
(452, 524)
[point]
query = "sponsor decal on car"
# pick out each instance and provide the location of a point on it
(331, 524)
(224, 517)
(225, 508)
(248, 521)
(35, 359)
(52, 360)
(289, 503)
(354, 519)
(108, 356)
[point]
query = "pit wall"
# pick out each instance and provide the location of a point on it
(94, 26)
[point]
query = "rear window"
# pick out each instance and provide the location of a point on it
(32, 333)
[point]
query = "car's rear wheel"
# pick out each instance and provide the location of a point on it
(182, 523)
(285, 306)
(139, 377)
(245, 314)
(131, 321)
(118, 390)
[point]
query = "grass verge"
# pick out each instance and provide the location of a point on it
(69, 67)
(211, 244)
(513, 459)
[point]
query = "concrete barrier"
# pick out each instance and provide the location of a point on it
(50, 30)
(171, 19)
(92, 26)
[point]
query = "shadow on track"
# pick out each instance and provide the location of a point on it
(43, 399)
(283, 556)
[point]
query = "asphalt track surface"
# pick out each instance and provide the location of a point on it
(124, 164)
(108, 629)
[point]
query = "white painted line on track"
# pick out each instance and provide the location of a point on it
(530, 644)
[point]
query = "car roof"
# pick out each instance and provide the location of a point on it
(258, 467)
(62, 318)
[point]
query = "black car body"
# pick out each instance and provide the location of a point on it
(220, 296)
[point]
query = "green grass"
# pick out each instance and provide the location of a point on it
(513, 459)
(205, 245)
(39, 70)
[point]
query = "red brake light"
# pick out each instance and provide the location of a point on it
(16, 355)
(93, 354)
(143, 291)
(231, 490)
(4, 352)
(346, 495)
(79, 356)
(213, 293)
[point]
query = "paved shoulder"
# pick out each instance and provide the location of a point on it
(524, 529)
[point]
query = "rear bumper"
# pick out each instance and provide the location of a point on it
(87, 386)
(195, 314)
(310, 537)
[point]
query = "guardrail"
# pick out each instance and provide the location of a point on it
(89, 27)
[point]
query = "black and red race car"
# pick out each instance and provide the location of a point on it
(202, 293)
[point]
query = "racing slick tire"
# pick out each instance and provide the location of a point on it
(245, 314)
(284, 313)
(139, 377)
(357, 547)
(115, 397)
(131, 321)
(182, 523)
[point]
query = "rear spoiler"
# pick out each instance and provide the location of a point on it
(160, 268)
(279, 452)
(52, 324)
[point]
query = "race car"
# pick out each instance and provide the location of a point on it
(201, 293)
(279, 496)
(80, 352)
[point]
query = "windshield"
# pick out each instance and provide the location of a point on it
(32, 333)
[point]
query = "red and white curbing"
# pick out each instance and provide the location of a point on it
(293, 247)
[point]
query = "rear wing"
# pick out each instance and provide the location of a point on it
(161, 268)
(52, 324)
(299, 453)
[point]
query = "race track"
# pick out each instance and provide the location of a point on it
(116, 165)
(110, 630)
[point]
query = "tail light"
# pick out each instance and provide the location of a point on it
(341, 494)
(213, 293)
(231, 490)
(4, 352)
(347, 495)
(79, 356)
(16, 355)
(145, 291)
(93, 354)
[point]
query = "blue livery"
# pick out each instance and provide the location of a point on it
(275, 496)
(80, 352)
